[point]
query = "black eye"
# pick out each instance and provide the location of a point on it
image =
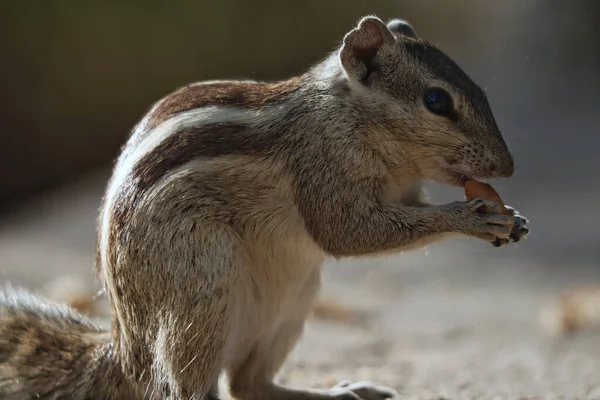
(438, 101)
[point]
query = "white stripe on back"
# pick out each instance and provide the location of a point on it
(201, 116)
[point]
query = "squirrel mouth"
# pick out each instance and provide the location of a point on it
(457, 175)
(452, 177)
(461, 179)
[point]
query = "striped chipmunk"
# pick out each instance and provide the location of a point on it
(226, 200)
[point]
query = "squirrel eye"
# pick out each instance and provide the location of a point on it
(438, 101)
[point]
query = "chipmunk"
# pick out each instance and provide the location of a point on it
(226, 200)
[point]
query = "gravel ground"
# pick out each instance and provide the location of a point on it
(459, 320)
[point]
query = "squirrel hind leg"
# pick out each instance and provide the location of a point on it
(186, 334)
(188, 363)
(252, 374)
(213, 393)
(252, 378)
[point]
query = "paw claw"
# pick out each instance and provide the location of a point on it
(499, 242)
(519, 234)
(475, 204)
(479, 203)
(519, 230)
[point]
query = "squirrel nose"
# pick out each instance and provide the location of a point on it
(505, 168)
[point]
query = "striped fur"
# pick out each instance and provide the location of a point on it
(125, 172)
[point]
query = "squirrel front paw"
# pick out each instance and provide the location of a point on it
(518, 231)
(484, 220)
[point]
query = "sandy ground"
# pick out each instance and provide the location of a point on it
(459, 320)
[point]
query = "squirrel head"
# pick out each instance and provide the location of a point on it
(432, 114)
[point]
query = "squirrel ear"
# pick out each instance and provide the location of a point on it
(358, 55)
(400, 27)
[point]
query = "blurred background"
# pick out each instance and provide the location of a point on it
(76, 76)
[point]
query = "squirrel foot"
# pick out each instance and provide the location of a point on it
(362, 390)
(344, 390)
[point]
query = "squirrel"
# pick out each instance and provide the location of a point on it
(226, 200)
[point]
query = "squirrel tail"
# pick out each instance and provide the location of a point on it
(49, 351)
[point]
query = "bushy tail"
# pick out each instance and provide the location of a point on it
(49, 351)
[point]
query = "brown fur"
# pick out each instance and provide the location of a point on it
(243, 94)
(228, 197)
